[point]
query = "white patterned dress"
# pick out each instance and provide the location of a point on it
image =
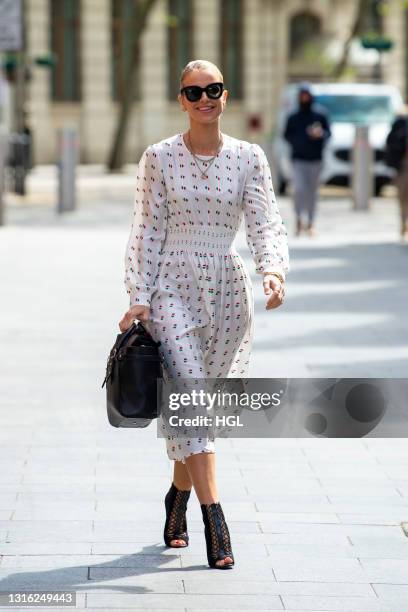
(181, 260)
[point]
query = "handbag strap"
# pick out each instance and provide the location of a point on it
(136, 328)
(122, 338)
(148, 334)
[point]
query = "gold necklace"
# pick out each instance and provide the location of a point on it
(204, 172)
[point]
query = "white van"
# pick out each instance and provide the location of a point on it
(347, 104)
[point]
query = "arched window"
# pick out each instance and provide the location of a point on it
(304, 29)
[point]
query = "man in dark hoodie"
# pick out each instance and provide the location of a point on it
(307, 131)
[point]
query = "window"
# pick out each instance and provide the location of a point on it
(179, 42)
(347, 108)
(304, 29)
(65, 44)
(231, 46)
(122, 22)
(372, 18)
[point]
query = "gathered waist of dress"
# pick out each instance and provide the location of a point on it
(200, 240)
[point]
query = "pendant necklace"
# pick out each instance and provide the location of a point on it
(204, 171)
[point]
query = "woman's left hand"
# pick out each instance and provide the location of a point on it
(275, 290)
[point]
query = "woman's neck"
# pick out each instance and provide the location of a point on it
(204, 139)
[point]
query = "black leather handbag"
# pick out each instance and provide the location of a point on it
(134, 376)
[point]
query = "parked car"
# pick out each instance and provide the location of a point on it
(347, 105)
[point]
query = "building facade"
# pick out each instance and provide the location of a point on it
(258, 44)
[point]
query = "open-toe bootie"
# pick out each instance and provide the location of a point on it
(217, 537)
(175, 527)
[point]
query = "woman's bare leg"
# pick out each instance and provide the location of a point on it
(181, 476)
(201, 467)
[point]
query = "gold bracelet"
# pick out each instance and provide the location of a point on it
(282, 280)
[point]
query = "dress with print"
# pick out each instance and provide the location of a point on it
(182, 262)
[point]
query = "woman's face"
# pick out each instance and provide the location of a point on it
(202, 78)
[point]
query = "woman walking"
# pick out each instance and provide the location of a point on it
(188, 284)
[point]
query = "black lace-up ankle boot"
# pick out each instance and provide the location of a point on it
(217, 537)
(175, 527)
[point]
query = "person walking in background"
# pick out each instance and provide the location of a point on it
(307, 130)
(396, 156)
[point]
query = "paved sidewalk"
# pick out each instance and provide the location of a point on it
(316, 525)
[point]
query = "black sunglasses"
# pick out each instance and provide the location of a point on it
(194, 92)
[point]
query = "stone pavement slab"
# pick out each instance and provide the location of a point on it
(315, 523)
(189, 601)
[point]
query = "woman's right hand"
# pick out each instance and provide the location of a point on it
(135, 312)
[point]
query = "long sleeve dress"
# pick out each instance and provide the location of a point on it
(181, 260)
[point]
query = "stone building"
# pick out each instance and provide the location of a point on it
(258, 44)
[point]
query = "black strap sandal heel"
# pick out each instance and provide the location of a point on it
(175, 527)
(217, 536)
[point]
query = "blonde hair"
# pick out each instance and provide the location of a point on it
(198, 65)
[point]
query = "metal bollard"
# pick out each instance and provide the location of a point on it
(68, 158)
(270, 153)
(362, 179)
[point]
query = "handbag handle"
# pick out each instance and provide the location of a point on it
(125, 335)
(131, 330)
(120, 341)
(148, 334)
